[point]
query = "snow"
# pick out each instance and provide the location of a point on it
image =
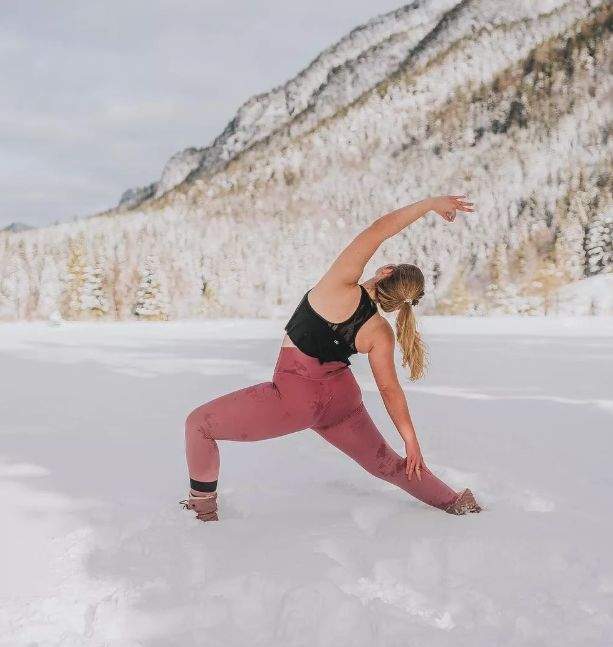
(311, 550)
(593, 295)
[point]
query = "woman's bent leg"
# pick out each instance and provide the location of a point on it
(256, 412)
(358, 437)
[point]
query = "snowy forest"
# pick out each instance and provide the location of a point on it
(508, 103)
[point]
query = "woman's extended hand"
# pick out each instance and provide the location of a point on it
(447, 205)
(415, 461)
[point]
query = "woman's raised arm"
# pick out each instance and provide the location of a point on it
(349, 265)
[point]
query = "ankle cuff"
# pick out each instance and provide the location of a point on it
(203, 486)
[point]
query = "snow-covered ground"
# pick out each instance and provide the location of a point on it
(311, 550)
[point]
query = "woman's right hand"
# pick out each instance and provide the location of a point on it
(447, 205)
(415, 461)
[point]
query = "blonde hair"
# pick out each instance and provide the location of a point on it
(401, 291)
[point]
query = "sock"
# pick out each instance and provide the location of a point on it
(203, 487)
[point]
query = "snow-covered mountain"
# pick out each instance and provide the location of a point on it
(340, 74)
(16, 226)
(507, 102)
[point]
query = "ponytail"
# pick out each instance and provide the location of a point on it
(410, 341)
(400, 291)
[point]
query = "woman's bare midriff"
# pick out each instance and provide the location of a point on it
(287, 341)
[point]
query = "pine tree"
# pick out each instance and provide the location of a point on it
(15, 290)
(598, 244)
(500, 265)
(74, 279)
(93, 298)
(496, 292)
(151, 302)
(49, 290)
(569, 252)
(119, 273)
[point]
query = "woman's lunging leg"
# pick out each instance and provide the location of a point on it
(358, 437)
(257, 412)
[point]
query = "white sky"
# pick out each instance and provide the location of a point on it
(96, 96)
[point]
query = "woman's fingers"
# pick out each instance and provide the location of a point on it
(411, 468)
(462, 204)
(465, 208)
(414, 466)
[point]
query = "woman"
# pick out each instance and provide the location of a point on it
(314, 387)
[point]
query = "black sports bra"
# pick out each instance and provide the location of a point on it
(329, 342)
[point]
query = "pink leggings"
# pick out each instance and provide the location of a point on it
(303, 393)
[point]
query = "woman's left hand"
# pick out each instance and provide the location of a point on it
(415, 461)
(447, 205)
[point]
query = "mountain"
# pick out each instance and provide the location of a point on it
(506, 102)
(340, 74)
(16, 226)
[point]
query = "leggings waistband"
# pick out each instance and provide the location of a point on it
(292, 360)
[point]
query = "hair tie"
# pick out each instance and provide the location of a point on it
(414, 301)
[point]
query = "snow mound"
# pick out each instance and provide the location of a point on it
(591, 296)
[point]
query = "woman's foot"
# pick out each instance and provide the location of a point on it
(205, 505)
(465, 502)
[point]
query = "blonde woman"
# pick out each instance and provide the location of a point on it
(312, 385)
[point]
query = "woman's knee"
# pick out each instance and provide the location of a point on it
(199, 422)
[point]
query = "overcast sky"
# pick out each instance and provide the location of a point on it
(96, 96)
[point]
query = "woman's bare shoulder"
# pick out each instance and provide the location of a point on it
(334, 301)
(376, 332)
(328, 287)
